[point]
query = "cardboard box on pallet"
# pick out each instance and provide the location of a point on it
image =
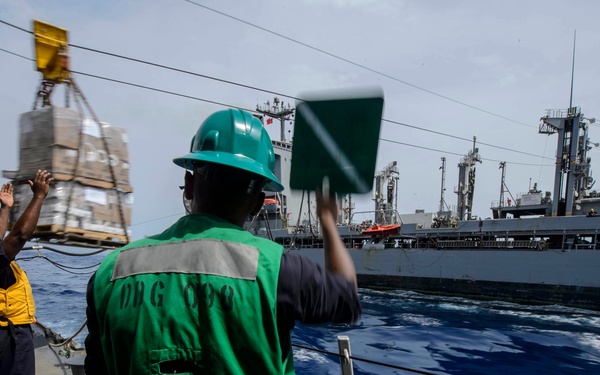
(61, 141)
(71, 206)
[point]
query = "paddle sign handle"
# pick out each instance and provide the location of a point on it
(325, 188)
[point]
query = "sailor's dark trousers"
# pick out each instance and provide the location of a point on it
(17, 355)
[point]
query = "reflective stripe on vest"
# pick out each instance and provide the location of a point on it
(203, 256)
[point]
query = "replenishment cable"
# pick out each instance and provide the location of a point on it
(262, 90)
(268, 91)
(381, 139)
(294, 41)
(358, 65)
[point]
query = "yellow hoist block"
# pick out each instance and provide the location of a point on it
(51, 54)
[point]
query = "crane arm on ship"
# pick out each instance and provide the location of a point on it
(385, 211)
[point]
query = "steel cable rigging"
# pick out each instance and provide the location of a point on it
(276, 93)
(62, 266)
(359, 65)
(254, 111)
(245, 86)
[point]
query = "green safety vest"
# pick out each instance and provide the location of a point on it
(204, 292)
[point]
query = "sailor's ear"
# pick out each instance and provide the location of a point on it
(189, 185)
(260, 201)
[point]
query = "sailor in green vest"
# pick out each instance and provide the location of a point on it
(17, 308)
(206, 296)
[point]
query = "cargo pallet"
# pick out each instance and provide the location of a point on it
(62, 235)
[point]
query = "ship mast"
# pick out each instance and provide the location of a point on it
(572, 171)
(277, 110)
(502, 184)
(443, 188)
(466, 182)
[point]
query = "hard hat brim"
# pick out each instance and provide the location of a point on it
(230, 160)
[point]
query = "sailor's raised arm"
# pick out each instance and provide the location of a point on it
(6, 202)
(337, 258)
(25, 225)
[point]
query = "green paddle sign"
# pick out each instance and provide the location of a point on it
(336, 136)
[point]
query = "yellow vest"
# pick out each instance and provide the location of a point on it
(16, 302)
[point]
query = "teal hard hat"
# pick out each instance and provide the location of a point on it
(236, 139)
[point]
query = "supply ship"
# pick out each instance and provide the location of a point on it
(537, 248)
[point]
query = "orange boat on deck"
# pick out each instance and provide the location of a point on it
(380, 230)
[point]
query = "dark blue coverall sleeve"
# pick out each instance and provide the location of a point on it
(94, 360)
(310, 294)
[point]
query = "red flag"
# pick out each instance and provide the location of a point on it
(269, 121)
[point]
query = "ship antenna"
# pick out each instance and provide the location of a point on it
(279, 111)
(573, 70)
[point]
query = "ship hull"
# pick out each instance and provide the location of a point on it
(569, 278)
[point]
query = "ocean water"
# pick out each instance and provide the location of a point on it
(431, 334)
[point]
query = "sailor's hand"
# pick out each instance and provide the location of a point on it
(326, 206)
(6, 195)
(41, 184)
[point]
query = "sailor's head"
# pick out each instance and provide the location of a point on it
(232, 161)
(236, 139)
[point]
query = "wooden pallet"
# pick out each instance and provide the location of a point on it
(70, 236)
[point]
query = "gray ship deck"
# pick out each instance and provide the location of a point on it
(50, 360)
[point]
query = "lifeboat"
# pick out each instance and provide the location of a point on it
(380, 230)
(271, 205)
